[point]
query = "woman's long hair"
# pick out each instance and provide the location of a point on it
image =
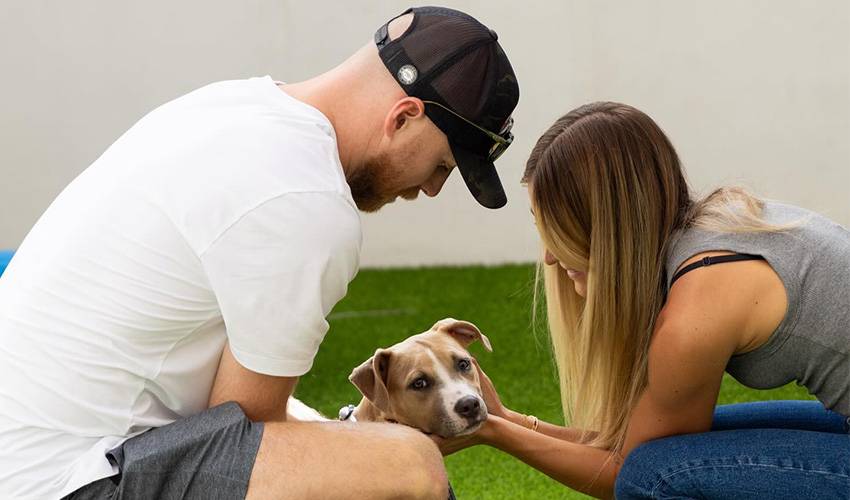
(607, 192)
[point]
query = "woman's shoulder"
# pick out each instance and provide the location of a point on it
(736, 303)
(786, 234)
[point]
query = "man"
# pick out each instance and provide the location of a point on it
(157, 317)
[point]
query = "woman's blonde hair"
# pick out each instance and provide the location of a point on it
(607, 193)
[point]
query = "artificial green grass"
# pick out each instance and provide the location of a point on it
(385, 306)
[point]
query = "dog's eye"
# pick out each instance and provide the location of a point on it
(419, 384)
(464, 365)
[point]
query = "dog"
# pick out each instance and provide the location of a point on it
(428, 381)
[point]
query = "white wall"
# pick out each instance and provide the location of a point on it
(751, 92)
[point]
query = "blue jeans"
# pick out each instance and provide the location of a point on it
(767, 450)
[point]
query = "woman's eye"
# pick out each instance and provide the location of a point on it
(464, 365)
(419, 384)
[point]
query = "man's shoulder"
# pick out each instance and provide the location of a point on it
(220, 152)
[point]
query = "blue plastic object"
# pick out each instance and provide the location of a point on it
(5, 257)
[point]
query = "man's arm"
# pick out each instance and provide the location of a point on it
(276, 274)
(262, 397)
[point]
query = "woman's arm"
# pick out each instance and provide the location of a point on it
(581, 467)
(495, 407)
(543, 427)
(693, 341)
(685, 370)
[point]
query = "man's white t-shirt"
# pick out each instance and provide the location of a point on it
(223, 215)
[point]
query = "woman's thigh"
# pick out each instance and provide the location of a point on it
(800, 415)
(744, 463)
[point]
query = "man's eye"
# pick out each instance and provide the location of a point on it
(464, 365)
(419, 384)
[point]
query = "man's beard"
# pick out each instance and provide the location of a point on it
(372, 186)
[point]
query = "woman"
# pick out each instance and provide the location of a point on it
(651, 295)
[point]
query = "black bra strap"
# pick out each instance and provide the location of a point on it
(718, 259)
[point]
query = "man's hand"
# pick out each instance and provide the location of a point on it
(262, 397)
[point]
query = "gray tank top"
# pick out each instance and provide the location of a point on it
(812, 343)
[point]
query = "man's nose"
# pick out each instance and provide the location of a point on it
(434, 185)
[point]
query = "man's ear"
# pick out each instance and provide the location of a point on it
(462, 331)
(370, 378)
(404, 110)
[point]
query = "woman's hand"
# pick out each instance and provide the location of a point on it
(488, 392)
(448, 446)
(482, 436)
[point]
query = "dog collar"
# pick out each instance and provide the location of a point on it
(347, 413)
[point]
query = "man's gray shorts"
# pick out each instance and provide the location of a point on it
(206, 456)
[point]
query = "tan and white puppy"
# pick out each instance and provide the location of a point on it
(428, 381)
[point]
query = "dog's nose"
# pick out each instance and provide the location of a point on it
(467, 406)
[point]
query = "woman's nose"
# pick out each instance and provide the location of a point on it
(549, 259)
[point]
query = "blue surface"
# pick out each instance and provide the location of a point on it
(5, 257)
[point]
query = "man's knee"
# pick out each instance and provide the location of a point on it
(425, 475)
(385, 461)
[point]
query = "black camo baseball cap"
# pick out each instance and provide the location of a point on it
(455, 65)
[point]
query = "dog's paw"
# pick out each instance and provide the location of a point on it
(297, 410)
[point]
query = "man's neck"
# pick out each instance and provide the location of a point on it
(352, 132)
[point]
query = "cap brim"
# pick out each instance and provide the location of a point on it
(480, 177)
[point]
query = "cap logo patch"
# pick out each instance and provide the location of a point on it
(407, 74)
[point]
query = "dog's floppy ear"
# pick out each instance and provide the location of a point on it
(370, 378)
(463, 331)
